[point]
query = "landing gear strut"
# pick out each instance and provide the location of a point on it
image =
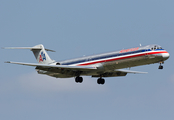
(101, 81)
(79, 79)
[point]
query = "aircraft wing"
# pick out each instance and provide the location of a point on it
(55, 66)
(130, 71)
(58, 69)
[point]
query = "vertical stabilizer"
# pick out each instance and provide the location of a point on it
(41, 55)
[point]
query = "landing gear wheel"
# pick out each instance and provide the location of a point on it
(101, 81)
(79, 79)
(160, 67)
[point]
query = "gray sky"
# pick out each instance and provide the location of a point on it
(84, 27)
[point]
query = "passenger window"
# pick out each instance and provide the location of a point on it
(151, 48)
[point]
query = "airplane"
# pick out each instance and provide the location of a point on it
(109, 64)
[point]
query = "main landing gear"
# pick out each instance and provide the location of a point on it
(101, 81)
(161, 67)
(79, 79)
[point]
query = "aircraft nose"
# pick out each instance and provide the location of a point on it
(165, 55)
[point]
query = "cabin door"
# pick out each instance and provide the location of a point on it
(146, 54)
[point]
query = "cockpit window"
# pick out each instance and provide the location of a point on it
(156, 48)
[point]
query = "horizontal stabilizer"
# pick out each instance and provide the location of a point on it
(30, 48)
(130, 71)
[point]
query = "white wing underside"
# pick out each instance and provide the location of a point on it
(130, 71)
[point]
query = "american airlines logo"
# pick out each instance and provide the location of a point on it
(42, 57)
(129, 50)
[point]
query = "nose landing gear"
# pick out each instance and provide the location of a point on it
(161, 67)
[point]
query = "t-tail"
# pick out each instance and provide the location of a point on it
(39, 52)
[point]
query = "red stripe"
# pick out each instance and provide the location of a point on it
(157, 52)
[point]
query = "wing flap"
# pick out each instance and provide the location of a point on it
(118, 73)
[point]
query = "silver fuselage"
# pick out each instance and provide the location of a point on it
(108, 62)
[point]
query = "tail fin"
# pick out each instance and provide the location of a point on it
(41, 55)
(39, 52)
